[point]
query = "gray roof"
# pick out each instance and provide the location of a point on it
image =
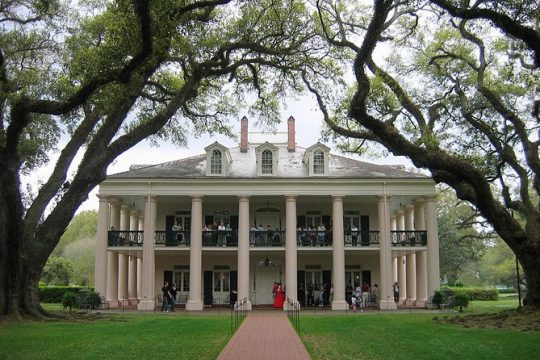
(289, 165)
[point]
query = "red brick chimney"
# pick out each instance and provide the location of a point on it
(291, 145)
(244, 134)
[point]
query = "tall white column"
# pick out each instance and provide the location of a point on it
(243, 250)
(338, 255)
(132, 267)
(421, 279)
(100, 269)
(409, 217)
(194, 302)
(402, 278)
(421, 256)
(432, 245)
(139, 262)
(400, 220)
(394, 269)
(290, 249)
(411, 278)
(112, 257)
(149, 263)
(115, 213)
(123, 258)
(385, 254)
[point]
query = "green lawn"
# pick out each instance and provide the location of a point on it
(414, 336)
(129, 336)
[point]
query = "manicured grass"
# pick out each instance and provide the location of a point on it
(129, 336)
(410, 336)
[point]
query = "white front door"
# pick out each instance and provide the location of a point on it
(221, 287)
(264, 280)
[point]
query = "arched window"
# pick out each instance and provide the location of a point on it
(318, 162)
(215, 162)
(266, 162)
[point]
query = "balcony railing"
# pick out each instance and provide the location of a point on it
(172, 238)
(313, 238)
(267, 238)
(125, 238)
(361, 238)
(409, 238)
(217, 238)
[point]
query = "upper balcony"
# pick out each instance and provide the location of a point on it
(266, 238)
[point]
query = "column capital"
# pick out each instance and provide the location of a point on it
(196, 197)
(409, 207)
(420, 201)
(134, 212)
(290, 197)
(102, 197)
(431, 198)
(151, 197)
(400, 212)
(243, 197)
(114, 201)
(124, 207)
(338, 197)
(383, 198)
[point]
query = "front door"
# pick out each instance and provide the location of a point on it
(264, 280)
(221, 287)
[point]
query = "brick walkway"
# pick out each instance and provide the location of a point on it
(265, 335)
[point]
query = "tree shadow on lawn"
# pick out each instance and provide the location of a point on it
(525, 319)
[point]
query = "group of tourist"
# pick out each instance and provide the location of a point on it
(264, 236)
(169, 297)
(362, 295)
(218, 234)
(318, 294)
(312, 236)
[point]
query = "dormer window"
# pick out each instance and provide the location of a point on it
(215, 163)
(316, 160)
(266, 163)
(218, 160)
(267, 155)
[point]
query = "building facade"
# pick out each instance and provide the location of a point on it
(229, 223)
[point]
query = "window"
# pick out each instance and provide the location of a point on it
(266, 162)
(318, 163)
(215, 162)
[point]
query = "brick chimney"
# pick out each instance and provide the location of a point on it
(244, 134)
(291, 145)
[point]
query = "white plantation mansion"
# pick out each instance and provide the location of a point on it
(226, 224)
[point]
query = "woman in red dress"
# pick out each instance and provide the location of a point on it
(280, 297)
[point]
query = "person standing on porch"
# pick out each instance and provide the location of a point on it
(165, 291)
(173, 296)
(395, 288)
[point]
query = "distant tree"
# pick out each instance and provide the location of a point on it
(82, 255)
(83, 226)
(498, 265)
(58, 271)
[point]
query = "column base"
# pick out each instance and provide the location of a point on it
(387, 305)
(410, 302)
(247, 306)
(421, 303)
(194, 305)
(133, 301)
(340, 305)
(285, 306)
(146, 305)
(113, 303)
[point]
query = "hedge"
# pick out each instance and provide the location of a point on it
(476, 293)
(54, 294)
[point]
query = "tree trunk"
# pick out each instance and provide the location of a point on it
(530, 262)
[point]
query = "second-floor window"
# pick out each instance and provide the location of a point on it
(318, 163)
(215, 162)
(266, 162)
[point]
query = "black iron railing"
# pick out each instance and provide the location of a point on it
(172, 238)
(267, 238)
(238, 313)
(293, 313)
(409, 238)
(125, 238)
(217, 238)
(313, 238)
(361, 238)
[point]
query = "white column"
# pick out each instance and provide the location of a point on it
(194, 302)
(385, 255)
(411, 278)
(432, 245)
(421, 279)
(139, 262)
(112, 278)
(243, 250)
(148, 264)
(394, 269)
(400, 220)
(132, 267)
(100, 269)
(338, 255)
(290, 249)
(123, 258)
(112, 257)
(402, 278)
(421, 256)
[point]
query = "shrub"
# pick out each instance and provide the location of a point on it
(477, 293)
(461, 299)
(438, 298)
(55, 294)
(70, 300)
(93, 300)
